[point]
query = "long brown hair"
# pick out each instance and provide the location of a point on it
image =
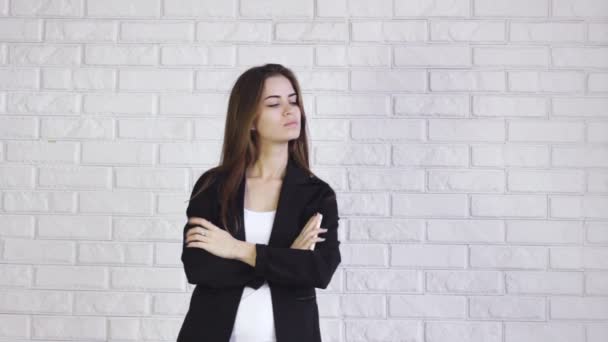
(240, 148)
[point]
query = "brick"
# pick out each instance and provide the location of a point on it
(198, 8)
(121, 54)
(428, 256)
(546, 32)
(111, 303)
(580, 57)
(467, 30)
(515, 8)
(28, 301)
(71, 277)
(510, 205)
(544, 232)
(73, 128)
(380, 280)
(313, 31)
(508, 257)
(80, 31)
(277, 8)
(433, 56)
(44, 103)
(40, 8)
(511, 56)
(373, 129)
(465, 231)
(442, 8)
(20, 30)
(431, 105)
(547, 331)
(430, 155)
(548, 131)
(465, 80)
(397, 81)
(389, 31)
(508, 308)
(125, 202)
(388, 230)
(427, 305)
(160, 31)
(443, 130)
(580, 8)
(540, 282)
(581, 308)
(334, 56)
(75, 227)
(519, 106)
(466, 180)
(39, 251)
(487, 282)
(198, 55)
(52, 55)
(122, 8)
(155, 79)
(18, 79)
(521, 155)
(71, 327)
(469, 331)
(547, 81)
(84, 78)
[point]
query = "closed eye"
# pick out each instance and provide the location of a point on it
(293, 103)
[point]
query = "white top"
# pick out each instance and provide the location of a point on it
(254, 317)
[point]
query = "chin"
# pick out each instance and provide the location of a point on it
(292, 137)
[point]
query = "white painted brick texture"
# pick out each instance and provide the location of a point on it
(467, 141)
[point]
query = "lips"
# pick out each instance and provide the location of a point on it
(291, 123)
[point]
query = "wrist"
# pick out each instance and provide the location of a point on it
(245, 252)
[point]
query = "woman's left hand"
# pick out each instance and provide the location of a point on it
(211, 238)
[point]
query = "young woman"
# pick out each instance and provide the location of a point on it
(262, 230)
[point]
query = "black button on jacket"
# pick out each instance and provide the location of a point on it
(292, 274)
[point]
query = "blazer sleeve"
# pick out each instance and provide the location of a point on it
(202, 267)
(309, 268)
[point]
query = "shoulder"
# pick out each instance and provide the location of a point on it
(205, 182)
(322, 188)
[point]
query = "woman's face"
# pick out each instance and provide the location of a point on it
(277, 107)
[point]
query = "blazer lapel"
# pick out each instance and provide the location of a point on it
(290, 201)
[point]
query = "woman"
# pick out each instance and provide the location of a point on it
(252, 244)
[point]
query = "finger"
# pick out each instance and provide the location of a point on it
(308, 225)
(202, 222)
(196, 220)
(314, 233)
(199, 233)
(203, 231)
(312, 223)
(197, 237)
(196, 244)
(317, 231)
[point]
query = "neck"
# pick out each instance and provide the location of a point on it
(269, 167)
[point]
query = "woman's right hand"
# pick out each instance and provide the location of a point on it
(308, 236)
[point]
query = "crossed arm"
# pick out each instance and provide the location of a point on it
(259, 262)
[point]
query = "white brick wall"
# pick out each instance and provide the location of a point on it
(467, 140)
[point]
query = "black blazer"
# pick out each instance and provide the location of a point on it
(292, 274)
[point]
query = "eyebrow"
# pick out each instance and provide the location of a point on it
(290, 95)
